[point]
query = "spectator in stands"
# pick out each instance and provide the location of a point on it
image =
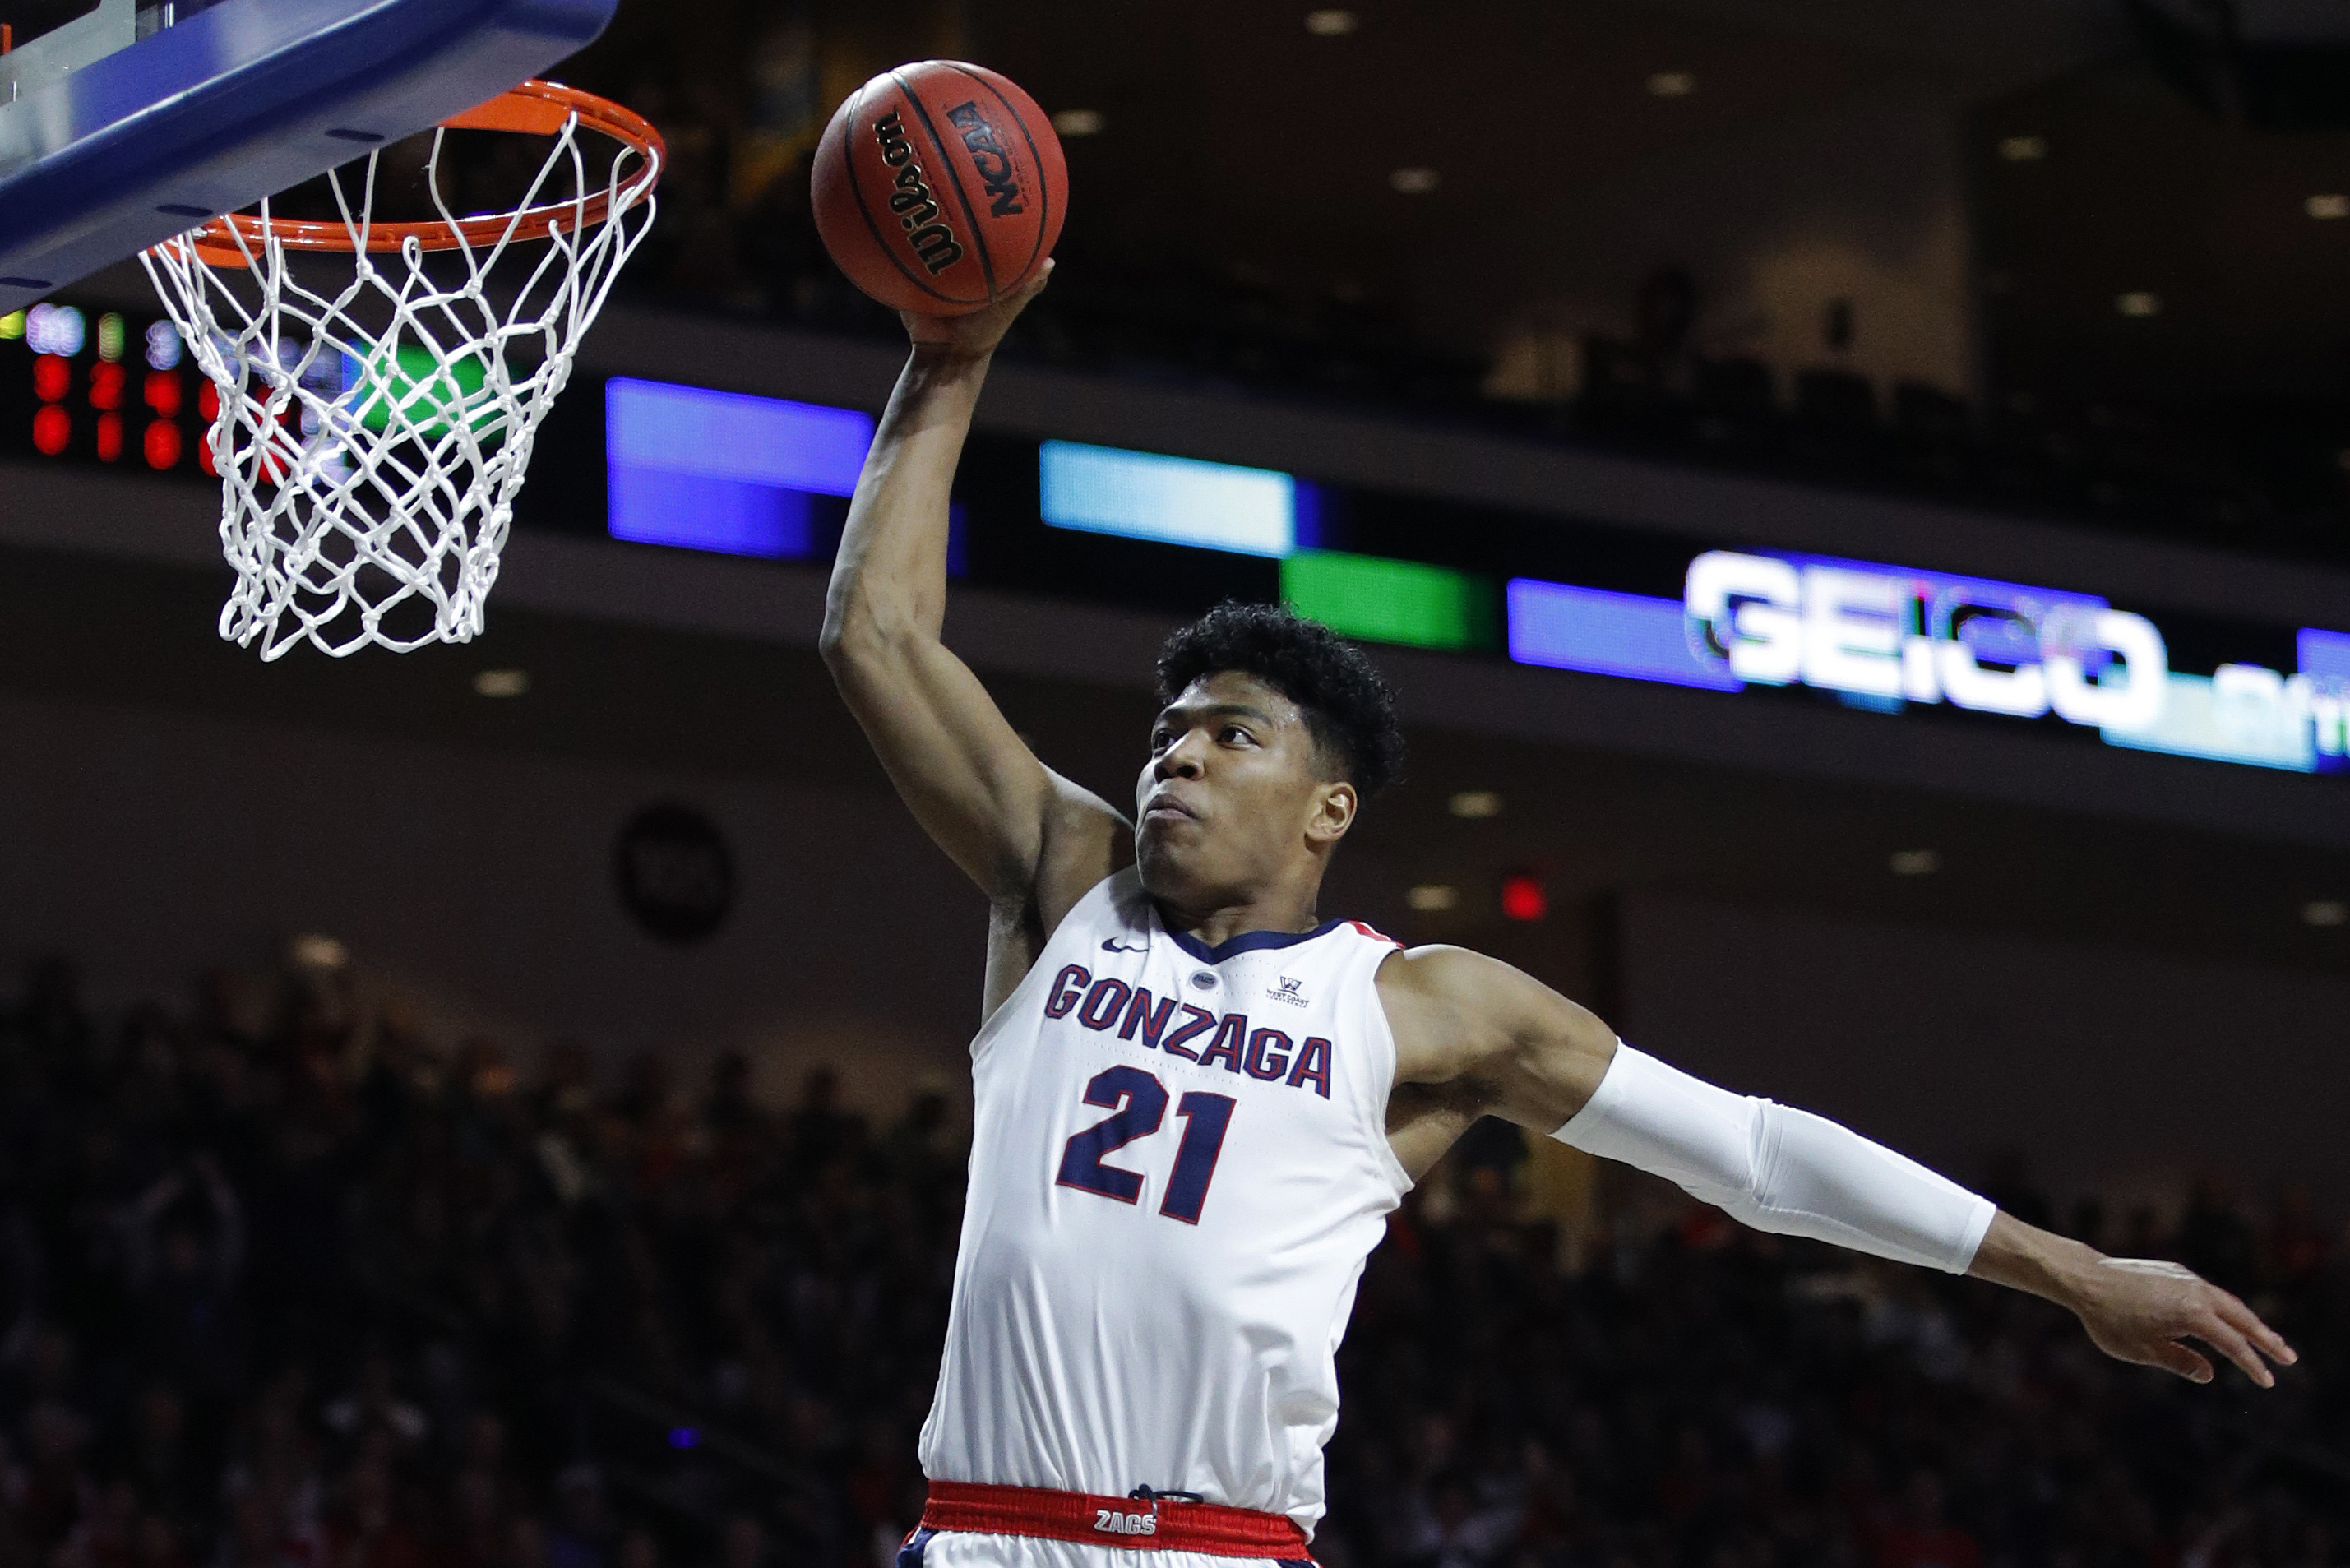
(511, 1317)
(183, 1259)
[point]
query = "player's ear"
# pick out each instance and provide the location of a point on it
(1334, 804)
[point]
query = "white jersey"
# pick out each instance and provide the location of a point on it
(1179, 1164)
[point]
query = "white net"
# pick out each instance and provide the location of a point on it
(374, 427)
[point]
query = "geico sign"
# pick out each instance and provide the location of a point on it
(1924, 637)
(2255, 706)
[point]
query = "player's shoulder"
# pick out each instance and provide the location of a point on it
(1369, 932)
(1453, 1009)
(1457, 978)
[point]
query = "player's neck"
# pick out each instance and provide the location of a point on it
(1285, 909)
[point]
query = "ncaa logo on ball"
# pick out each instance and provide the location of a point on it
(940, 187)
(987, 155)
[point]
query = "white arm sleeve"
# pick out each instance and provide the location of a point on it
(1777, 1169)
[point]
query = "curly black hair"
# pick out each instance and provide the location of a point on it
(1346, 702)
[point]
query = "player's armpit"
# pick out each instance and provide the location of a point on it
(1424, 1121)
(1086, 839)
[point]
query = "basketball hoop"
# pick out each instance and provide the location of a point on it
(374, 428)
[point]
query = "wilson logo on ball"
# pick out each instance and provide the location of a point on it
(940, 187)
(987, 156)
(916, 208)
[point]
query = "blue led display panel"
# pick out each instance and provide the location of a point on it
(1168, 500)
(2323, 653)
(1636, 635)
(725, 471)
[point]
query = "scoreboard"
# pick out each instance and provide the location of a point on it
(669, 465)
(105, 387)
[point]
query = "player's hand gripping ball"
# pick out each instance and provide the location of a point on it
(940, 187)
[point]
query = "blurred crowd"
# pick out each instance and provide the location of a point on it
(1703, 1397)
(285, 1286)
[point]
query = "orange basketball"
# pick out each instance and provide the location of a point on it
(940, 187)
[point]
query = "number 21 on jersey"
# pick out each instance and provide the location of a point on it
(1137, 1101)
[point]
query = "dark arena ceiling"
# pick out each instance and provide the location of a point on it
(2103, 241)
(1237, 139)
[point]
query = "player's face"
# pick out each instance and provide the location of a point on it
(1232, 795)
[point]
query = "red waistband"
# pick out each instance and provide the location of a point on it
(1159, 1524)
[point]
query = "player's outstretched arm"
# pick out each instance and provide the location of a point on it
(1475, 1036)
(1028, 837)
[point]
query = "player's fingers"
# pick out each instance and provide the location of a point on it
(2222, 1336)
(2173, 1356)
(2247, 1321)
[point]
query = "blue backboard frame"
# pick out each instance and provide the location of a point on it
(239, 101)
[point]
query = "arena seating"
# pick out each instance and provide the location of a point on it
(325, 1293)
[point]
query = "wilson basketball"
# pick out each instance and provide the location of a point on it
(940, 187)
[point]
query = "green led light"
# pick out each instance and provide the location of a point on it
(1391, 601)
(12, 324)
(423, 390)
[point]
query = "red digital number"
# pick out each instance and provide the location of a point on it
(106, 385)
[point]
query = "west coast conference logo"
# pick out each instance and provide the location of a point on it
(1885, 636)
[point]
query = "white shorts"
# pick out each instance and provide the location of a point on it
(956, 1549)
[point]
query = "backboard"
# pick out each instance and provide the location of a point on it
(123, 122)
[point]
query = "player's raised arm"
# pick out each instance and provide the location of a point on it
(1025, 836)
(1474, 1036)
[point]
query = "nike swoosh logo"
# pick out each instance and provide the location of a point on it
(1113, 946)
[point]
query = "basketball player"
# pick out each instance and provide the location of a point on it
(1198, 1100)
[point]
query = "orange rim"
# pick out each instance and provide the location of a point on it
(533, 108)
